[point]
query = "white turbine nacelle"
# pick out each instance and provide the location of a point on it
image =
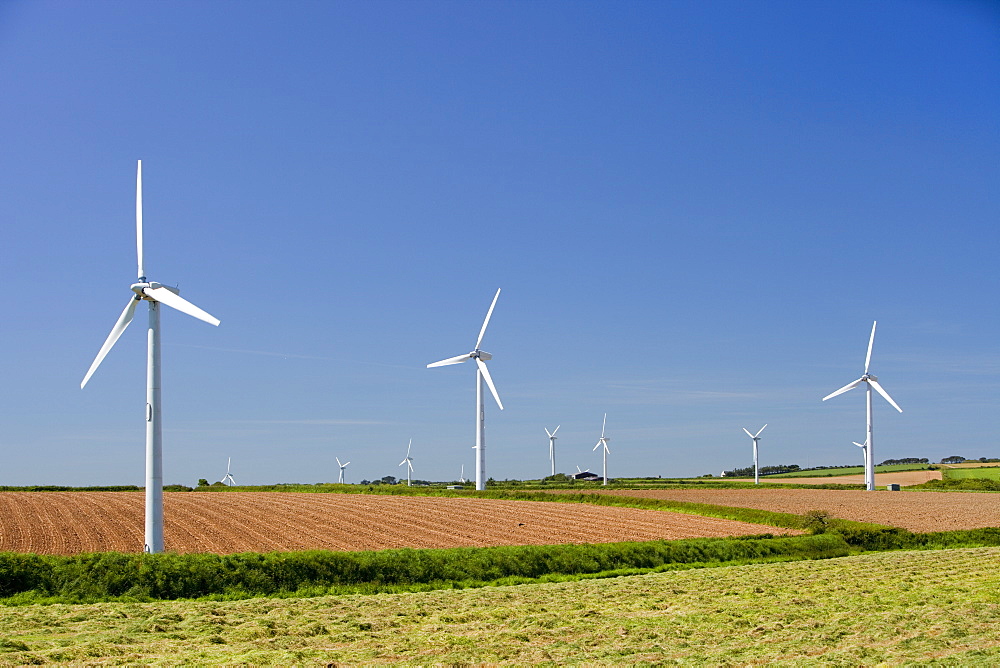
(139, 289)
(481, 354)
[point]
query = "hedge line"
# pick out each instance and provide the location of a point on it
(111, 575)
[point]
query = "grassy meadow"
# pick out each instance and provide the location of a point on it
(987, 472)
(940, 606)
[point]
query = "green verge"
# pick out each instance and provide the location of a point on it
(29, 578)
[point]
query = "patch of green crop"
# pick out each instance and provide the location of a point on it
(887, 608)
(980, 472)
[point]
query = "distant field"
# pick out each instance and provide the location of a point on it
(988, 472)
(893, 608)
(849, 470)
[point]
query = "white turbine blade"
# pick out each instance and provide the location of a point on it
(598, 445)
(401, 463)
(868, 357)
(229, 465)
(555, 430)
(338, 462)
(845, 388)
(489, 381)
(878, 388)
(410, 464)
(860, 445)
(547, 433)
(487, 321)
(123, 320)
(408, 448)
(604, 424)
(165, 296)
(138, 219)
(748, 432)
(347, 464)
(761, 429)
(451, 360)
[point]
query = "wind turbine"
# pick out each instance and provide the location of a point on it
(461, 479)
(864, 451)
(603, 440)
(408, 460)
(552, 447)
(155, 294)
(871, 381)
(229, 476)
(755, 437)
(340, 480)
(482, 373)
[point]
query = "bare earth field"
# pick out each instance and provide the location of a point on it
(902, 478)
(228, 522)
(916, 511)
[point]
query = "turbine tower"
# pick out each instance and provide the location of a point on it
(228, 479)
(552, 447)
(871, 381)
(155, 294)
(603, 440)
(755, 437)
(340, 480)
(482, 373)
(408, 460)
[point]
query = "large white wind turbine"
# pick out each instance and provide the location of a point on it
(755, 437)
(228, 479)
(408, 460)
(871, 381)
(552, 447)
(603, 440)
(155, 294)
(482, 373)
(342, 467)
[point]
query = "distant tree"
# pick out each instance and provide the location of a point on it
(954, 459)
(365, 482)
(389, 480)
(202, 482)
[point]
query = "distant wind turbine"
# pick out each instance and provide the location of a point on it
(552, 447)
(228, 479)
(408, 460)
(482, 373)
(603, 440)
(340, 480)
(155, 294)
(871, 381)
(864, 451)
(755, 437)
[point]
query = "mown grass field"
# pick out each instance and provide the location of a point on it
(848, 470)
(940, 606)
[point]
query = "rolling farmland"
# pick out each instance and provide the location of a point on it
(75, 522)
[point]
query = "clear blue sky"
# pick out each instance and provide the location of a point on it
(695, 211)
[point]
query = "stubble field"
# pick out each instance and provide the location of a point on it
(224, 523)
(938, 607)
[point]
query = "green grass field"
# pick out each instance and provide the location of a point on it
(940, 606)
(850, 470)
(987, 472)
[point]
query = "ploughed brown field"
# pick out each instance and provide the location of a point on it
(227, 522)
(916, 511)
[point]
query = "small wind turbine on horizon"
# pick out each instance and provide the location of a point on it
(408, 460)
(229, 476)
(755, 437)
(482, 373)
(155, 294)
(552, 447)
(603, 440)
(864, 451)
(871, 381)
(340, 480)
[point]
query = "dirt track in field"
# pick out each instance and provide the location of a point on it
(904, 478)
(916, 511)
(227, 522)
